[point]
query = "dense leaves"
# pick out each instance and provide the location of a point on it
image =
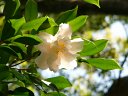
(18, 51)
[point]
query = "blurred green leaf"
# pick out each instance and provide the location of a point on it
(60, 82)
(91, 48)
(4, 72)
(20, 49)
(95, 2)
(27, 39)
(11, 8)
(51, 30)
(8, 31)
(4, 57)
(8, 50)
(77, 23)
(66, 16)
(17, 74)
(22, 91)
(20, 83)
(55, 94)
(33, 24)
(31, 11)
(105, 64)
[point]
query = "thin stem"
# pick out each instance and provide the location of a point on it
(17, 63)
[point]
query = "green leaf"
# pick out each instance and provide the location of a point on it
(27, 39)
(22, 91)
(105, 64)
(18, 75)
(16, 24)
(4, 72)
(51, 30)
(91, 48)
(20, 83)
(8, 50)
(33, 24)
(77, 23)
(51, 22)
(31, 11)
(60, 82)
(11, 8)
(4, 57)
(55, 94)
(20, 49)
(66, 16)
(95, 2)
(8, 31)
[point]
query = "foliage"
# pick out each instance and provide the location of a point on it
(17, 51)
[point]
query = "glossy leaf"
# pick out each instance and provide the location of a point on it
(77, 23)
(8, 50)
(11, 8)
(66, 16)
(105, 64)
(33, 24)
(60, 82)
(91, 48)
(31, 11)
(22, 91)
(19, 48)
(95, 2)
(16, 24)
(27, 39)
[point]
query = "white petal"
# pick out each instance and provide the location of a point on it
(76, 45)
(53, 60)
(41, 61)
(67, 60)
(64, 31)
(46, 37)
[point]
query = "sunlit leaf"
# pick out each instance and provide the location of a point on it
(77, 23)
(105, 64)
(91, 48)
(66, 16)
(60, 82)
(95, 2)
(33, 24)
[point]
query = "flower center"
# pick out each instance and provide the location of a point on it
(61, 46)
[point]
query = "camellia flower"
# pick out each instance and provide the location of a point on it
(58, 51)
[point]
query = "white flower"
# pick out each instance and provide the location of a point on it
(58, 51)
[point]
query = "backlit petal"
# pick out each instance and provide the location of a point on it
(46, 37)
(64, 31)
(67, 60)
(76, 45)
(41, 61)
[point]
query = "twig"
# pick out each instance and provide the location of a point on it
(17, 63)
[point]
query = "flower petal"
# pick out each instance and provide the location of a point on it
(41, 61)
(46, 37)
(67, 60)
(64, 31)
(53, 60)
(76, 45)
